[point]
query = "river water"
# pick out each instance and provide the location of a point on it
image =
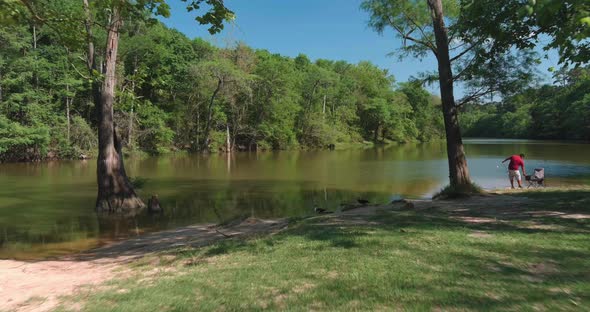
(46, 209)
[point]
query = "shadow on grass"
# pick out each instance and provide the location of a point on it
(407, 259)
(509, 273)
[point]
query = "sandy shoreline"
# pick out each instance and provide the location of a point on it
(38, 285)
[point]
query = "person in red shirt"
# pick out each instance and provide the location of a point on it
(516, 162)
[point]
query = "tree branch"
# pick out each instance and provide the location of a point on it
(31, 10)
(78, 71)
(458, 76)
(421, 29)
(456, 57)
(406, 36)
(479, 93)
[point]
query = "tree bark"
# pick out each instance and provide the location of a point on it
(376, 134)
(90, 57)
(115, 191)
(68, 101)
(310, 101)
(210, 114)
(130, 130)
(458, 170)
(132, 113)
(34, 37)
(228, 147)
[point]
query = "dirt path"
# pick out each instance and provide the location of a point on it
(37, 285)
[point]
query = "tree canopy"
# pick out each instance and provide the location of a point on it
(563, 25)
(165, 95)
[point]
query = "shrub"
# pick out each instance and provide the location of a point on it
(21, 143)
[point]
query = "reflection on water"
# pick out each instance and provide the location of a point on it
(47, 209)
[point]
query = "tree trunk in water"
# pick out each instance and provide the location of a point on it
(458, 170)
(115, 192)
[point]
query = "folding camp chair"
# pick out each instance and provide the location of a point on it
(537, 179)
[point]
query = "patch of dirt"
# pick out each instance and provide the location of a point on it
(332, 275)
(475, 220)
(303, 288)
(538, 226)
(543, 268)
(576, 216)
(45, 281)
(20, 281)
(480, 234)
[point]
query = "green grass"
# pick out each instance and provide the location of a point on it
(403, 261)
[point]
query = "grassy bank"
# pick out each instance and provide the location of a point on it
(421, 258)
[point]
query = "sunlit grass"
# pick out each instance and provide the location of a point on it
(393, 261)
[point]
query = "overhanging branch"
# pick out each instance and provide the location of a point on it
(479, 93)
(406, 36)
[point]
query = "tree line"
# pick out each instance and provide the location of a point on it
(558, 111)
(174, 93)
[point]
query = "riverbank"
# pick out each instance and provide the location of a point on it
(52, 156)
(522, 250)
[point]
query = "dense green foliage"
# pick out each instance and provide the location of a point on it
(563, 25)
(559, 111)
(176, 93)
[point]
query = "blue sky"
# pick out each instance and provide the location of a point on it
(329, 29)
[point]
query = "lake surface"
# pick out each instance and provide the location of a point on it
(46, 209)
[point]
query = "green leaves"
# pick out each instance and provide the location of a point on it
(546, 112)
(10, 11)
(516, 24)
(166, 82)
(215, 16)
(15, 139)
(410, 21)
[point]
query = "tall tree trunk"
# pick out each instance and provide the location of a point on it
(228, 146)
(210, 115)
(130, 130)
(376, 134)
(132, 113)
(68, 101)
(115, 191)
(90, 55)
(35, 74)
(34, 37)
(458, 170)
(310, 100)
(198, 128)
